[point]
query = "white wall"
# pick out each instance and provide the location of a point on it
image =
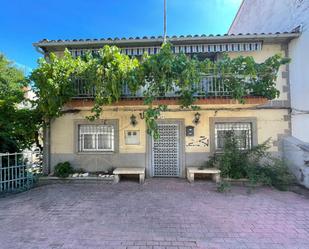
(270, 16)
(299, 81)
(257, 16)
(296, 153)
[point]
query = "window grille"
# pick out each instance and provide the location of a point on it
(241, 130)
(96, 138)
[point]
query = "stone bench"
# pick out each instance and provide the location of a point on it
(129, 171)
(207, 171)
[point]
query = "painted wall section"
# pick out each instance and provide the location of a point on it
(279, 16)
(270, 124)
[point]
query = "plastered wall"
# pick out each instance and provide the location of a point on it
(270, 124)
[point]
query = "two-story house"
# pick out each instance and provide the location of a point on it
(119, 137)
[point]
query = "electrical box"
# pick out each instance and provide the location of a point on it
(132, 137)
(190, 131)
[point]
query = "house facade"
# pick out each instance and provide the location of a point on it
(119, 138)
(279, 16)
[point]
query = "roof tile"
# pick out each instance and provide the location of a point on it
(160, 37)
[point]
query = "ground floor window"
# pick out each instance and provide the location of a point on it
(96, 138)
(241, 130)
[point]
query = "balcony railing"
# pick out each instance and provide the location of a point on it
(209, 86)
(82, 89)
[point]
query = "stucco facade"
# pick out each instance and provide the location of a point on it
(281, 16)
(270, 124)
(268, 120)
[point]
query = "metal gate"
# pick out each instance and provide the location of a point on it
(17, 170)
(165, 151)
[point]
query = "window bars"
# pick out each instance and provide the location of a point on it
(241, 130)
(95, 138)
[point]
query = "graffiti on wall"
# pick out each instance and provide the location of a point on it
(201, 141)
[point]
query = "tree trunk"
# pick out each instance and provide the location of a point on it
(46, 148)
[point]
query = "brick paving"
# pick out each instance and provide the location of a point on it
(162, 213)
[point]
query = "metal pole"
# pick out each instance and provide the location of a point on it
(164, 37)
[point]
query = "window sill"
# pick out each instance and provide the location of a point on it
(96, 153)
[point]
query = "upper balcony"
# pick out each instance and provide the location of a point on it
(209, 86)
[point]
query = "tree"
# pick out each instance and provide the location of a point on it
(18, 124)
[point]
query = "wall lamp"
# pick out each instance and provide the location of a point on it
(133, 120)
(196, 119)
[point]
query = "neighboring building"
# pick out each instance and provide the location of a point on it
(113, 140)
(29, 95)
(264, 16)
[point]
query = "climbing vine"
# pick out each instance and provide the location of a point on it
(109, 71)
(53, 83)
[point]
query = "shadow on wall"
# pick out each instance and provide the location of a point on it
(296, 153)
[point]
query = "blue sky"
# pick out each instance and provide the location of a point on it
(26, 21)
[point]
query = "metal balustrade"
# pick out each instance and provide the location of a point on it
(82, 89)
(209, 86)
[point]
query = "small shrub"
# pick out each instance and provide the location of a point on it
(63, 170)
(274, 173)
(255, 164)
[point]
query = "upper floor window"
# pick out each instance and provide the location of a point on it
(242, 131)
(96, 138)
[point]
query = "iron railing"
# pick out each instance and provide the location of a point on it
(16, 171)
(83, 89)
(209, 86)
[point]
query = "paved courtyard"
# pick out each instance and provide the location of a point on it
(162, 213)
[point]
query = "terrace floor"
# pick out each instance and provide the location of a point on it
(162, 213)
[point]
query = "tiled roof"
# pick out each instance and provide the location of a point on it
(291, 34)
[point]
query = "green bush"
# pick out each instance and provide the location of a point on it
(63, 170)
(274, 173)
(255, 164)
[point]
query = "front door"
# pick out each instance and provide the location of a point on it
(165, 151)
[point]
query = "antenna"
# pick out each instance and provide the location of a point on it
(164, 36)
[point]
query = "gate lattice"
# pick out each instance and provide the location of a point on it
(165, 151)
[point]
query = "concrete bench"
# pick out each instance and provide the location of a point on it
(129, 171)
(211, 171)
